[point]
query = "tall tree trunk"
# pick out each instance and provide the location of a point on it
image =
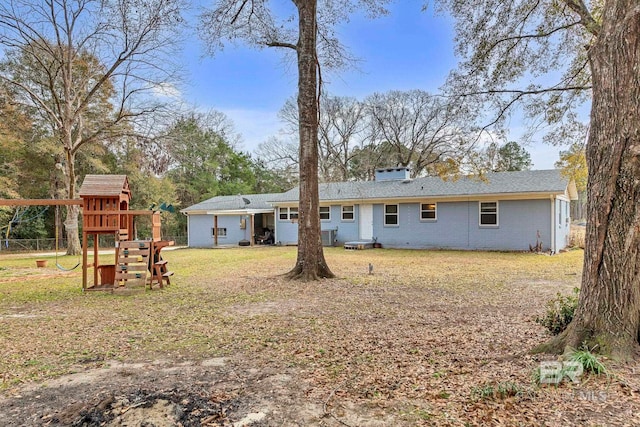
(310, 264)
(608, 313)
(71, 220)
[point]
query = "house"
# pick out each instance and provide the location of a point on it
(227, 220)
(501, 211)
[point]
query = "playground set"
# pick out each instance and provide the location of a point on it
(105, 203)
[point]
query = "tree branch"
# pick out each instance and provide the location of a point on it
(282, 44)
(586, 18)
(533, 36)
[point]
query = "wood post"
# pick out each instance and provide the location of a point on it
(215, 230)
(251, 231)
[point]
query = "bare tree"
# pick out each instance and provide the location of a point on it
(280, 156)
(426, 132)
(88, 67)
(340, 128)
(512, 49)
(313, 42)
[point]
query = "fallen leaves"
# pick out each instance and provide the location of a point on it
(434, 338)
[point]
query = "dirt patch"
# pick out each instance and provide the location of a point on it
(266, 307)
(16, 275)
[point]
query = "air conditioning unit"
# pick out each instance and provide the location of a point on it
(329, 237)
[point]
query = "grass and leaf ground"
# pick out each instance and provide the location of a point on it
(430, 338)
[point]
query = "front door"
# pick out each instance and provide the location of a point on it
(366, 222)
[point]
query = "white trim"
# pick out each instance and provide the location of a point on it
(365, 222)
(552, 246)
(480, 224)
(397, 214)
(456, 198)
(188, 230)
(320, 213)
(353, 213)
(237, 212)
(288, 213)
(220, 236)
(291, 218)
(435, 211)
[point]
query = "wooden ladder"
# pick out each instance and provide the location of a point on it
(132, 264)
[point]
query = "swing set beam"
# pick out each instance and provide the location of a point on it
(40, 202)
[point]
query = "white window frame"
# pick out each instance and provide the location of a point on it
(560, 216)
(328, 213)
(397, 215)
(283, 214)
(497, 213)
(222, 232)
(288, 214)
(351, 212)
(434, 210)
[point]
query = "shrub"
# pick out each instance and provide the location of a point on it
(559, 312)
(577, 237)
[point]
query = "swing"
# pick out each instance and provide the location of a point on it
(60, 267)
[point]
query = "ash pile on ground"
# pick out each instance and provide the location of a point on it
(156, 394)
(148, 408)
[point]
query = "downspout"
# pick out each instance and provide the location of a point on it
(552, 246)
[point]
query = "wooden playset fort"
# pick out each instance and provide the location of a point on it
(105, 203)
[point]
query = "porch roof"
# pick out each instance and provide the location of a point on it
(237, 204)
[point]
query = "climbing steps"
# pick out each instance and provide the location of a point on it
(132, 266)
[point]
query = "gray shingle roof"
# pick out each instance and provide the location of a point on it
(218, 203)
(541, 181)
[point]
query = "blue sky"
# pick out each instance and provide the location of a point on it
(408, 49)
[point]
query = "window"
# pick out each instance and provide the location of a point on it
(222, 232)
(347, 213)
(428, 212)
(560, 212)
(325, 213)
(391, 215)
(285, 214)
(488, 213)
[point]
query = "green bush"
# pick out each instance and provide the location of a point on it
(559, 312)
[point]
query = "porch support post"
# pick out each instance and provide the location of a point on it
(252, 235)
(215, 230)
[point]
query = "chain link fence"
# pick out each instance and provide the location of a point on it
(49, 244)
